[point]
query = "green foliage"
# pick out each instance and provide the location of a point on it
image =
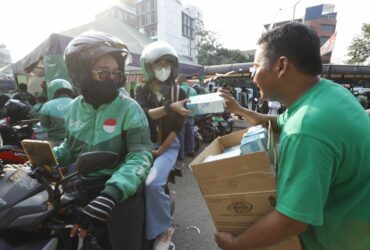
(211, 52)
(359, 50)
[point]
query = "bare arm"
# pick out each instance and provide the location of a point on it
(251, 116)
(177, 107)
(172, 135)
(268, 231)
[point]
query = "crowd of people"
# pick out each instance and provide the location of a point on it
(323, 190)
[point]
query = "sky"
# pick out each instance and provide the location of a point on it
(238, 23)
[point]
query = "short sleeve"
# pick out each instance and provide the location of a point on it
(281, 120)
(304, 177)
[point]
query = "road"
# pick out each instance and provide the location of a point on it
(191, 210)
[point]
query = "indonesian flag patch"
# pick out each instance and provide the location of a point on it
(109, 125)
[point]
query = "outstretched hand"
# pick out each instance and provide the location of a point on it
(179, 107)
(232, 105)
(224, 240)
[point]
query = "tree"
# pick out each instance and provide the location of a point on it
(211, 51)
(359, 50)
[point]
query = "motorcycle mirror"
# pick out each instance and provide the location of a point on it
(93, 161)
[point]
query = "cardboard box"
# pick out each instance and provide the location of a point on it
(239, 190)
(206, 104)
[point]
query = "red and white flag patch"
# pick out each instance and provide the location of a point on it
(109, 125)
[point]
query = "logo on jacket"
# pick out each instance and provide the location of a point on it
(109, 125)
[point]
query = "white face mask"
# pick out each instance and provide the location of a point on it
(162, 74)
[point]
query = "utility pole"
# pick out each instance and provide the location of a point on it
(273, 20)
(294, 9)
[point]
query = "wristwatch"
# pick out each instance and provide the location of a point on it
(167, 108)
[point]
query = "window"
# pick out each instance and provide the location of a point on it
(323, 39)
(327, 28)
(187, 26)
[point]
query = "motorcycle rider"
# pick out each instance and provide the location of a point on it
(102, 118)
(52, 112)
(163, 102)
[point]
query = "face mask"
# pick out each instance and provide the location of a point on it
(162, 74)
(99, 92)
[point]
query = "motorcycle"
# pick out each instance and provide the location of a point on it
(224, 123)
(197, 139)
(206, 127)
(33, 204)
(15, 126)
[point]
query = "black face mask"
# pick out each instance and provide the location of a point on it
(99, 92)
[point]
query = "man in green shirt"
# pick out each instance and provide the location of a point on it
(323, 188)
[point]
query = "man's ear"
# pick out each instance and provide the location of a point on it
(282, 66)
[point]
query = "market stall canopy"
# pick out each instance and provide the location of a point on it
(329, 71)
(53, 45)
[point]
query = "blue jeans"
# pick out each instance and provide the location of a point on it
(186, 137)
(158, 203)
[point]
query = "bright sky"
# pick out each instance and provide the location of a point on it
(239, 23)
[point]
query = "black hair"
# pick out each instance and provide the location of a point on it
(22, 86)
(298, 43)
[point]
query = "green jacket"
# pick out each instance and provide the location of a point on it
(120, 127)
(52, 117)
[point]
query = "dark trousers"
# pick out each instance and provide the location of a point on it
(126, 227)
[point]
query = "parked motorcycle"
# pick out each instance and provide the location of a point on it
(206, 127)
(224, 123)
(198, 139)
(34, 206)
(15, 126)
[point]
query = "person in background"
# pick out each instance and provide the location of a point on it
(40, 101)
(52, 112)
(322, 183)
(23, 95)
(164, 104)
(44, 91)
(274, 107)
(186, 135)
(243, 99)
(103, 119)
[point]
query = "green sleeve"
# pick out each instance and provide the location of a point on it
(44, 118)
(135, 167)
(305, 173)
(281, 119)
(63, 152)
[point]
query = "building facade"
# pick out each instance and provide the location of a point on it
(5, 59)
(323, 19)
(165, 20)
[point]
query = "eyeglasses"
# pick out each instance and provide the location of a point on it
(158, 65)
(104, 75)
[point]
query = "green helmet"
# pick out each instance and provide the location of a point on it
(56, 85)
(155, 51)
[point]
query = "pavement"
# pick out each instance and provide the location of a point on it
(191, 212)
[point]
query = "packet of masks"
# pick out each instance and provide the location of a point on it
(206, 104)
(254, 140)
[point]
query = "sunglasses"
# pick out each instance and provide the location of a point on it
(105, 75)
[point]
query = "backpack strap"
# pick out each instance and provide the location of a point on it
(175, 92)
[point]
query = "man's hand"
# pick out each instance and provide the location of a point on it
(232, 105)
(99, 209)
(179, 107)
(224, 241)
